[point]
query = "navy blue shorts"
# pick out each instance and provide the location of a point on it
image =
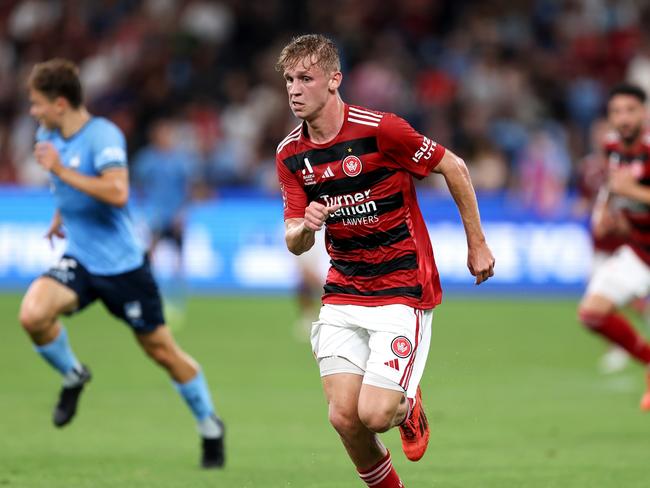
(132, 296)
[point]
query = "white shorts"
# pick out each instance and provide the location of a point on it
(598, 260)
(621, 278)
(389, 344)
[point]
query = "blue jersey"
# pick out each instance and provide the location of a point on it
(100, 236)
(163, 178)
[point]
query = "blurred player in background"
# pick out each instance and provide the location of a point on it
(163, 175)
(86, 159)
(592, 180)
(352, 169)
(623, 207)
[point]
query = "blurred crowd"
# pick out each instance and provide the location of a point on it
(513, 86)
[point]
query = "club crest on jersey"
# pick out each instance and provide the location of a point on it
(352, 165)
(401, 347)
(75, 161)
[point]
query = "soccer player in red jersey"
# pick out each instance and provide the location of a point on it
(592, 184)
(626, 274)
(350, 170)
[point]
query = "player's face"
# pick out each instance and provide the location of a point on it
(47, 112)
(309, 88)
(626, 114)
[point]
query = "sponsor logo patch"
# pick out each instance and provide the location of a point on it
(133, 310)
(401, 347)
(308, 176)
(352, 166)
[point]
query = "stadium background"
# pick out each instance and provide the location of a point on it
(515, 87)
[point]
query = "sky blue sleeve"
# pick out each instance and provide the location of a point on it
(109, 148)
(42, 134)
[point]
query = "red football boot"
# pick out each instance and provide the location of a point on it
(415, 431)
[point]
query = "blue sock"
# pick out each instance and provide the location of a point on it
(197, 396)
(59, 354)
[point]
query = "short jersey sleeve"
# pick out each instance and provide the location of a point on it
(416, 153)
(42, 134)
(294, 198)
(109, 148)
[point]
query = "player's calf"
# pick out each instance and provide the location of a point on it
(160, 346)
(616, 329)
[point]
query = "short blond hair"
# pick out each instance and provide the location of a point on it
(320, 49)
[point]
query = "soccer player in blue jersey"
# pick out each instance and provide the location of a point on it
(162, 175)
(86, 159)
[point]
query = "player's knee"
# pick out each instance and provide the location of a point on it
(376, 420)
(33, 318)
(345, 420)
(590, 317)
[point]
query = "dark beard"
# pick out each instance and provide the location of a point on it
(630, 140)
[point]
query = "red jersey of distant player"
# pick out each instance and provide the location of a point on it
(637, 157)
(378, 242)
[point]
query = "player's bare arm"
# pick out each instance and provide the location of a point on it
(480, 260)
(111, 187)
(623, 182)
(299, 232)
(298, 237)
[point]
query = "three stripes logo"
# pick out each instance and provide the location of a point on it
(393, 363)
(328, 173)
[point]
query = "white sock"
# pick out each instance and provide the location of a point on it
(209, 428)
(72, 377)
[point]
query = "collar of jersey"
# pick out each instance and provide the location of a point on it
(81, 129)
(309, 142)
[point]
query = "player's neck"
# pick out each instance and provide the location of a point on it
(634, 143)
(327, 125)
(73, 121)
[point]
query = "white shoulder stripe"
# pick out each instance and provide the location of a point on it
(287, 141)
(364, 122)
(290, 137)
(367, 117)
(365, 112)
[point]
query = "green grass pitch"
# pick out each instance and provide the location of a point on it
(511, 390)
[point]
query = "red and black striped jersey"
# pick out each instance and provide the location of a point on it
(637, 157)
(378, 242)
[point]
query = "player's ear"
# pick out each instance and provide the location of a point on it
(335, 81)
(61, 103)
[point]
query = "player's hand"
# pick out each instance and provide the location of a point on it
(316, 214)
(480, 262)
(47, 156)
(621, 180)
(55, 230)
